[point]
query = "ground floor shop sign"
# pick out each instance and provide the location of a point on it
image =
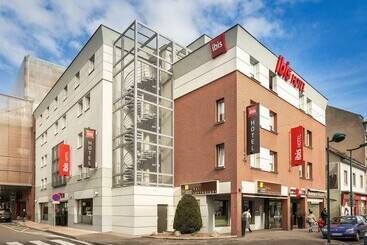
(202, 188)
(269, 188)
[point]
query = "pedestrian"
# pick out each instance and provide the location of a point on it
(246, 216)
(324, 215)
(24, 215)
(310, 219)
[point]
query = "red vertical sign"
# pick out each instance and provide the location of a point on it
(297, 146)
(64, 160)
(218, 45)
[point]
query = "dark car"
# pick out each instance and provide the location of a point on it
(346, 227)
(5, 215)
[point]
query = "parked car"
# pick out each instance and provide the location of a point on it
(5, 215)
(346, 227)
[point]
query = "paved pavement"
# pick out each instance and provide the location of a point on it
(15, 234)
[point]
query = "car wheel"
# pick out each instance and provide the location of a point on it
(357, 236)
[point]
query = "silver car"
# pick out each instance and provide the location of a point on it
(5, 215)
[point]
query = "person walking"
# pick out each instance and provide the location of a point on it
(310, 219)
(246, 216)
(324, 215)
(24, 214)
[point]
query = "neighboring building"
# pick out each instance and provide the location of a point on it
(352, 124)
(35, 78)
(111, 116)
(365, 138)
(213, 86)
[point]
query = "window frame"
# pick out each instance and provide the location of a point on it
(274, 115)
(218, 111)
(220, 148)
(91, 64)
(345, 177)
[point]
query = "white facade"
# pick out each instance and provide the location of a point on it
(82, 98)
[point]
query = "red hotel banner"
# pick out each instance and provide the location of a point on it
(297, 146)
(64, 160)
(218, 45)
(253, 129)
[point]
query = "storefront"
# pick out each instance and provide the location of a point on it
(315, 201)
(266, 206)
(359, 204)
(298, 199)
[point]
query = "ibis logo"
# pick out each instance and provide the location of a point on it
(218, 45)
(284, 70)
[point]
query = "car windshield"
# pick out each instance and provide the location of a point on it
(344, 220)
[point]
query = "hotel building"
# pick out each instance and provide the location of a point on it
(136, 120)
(230, 161)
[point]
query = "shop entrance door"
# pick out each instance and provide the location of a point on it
(162, 218)
(273, 214)
(61, 214)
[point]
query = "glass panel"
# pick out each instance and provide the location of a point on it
(165, 160)
(165, 49)
(147, 77)
(147, 39)
(165, 103)
(165, 121)
(147, 116)
(165, 84)
(166, 180)
(165, 141)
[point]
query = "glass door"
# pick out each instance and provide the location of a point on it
(275, 214)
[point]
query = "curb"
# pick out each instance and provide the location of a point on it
(189, 238)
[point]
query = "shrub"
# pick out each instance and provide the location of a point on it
(187, 216)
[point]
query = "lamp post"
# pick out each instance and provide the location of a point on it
(351, 176)
(337, 137)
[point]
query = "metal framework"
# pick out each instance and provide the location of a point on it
(143, 107)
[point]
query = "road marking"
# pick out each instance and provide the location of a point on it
(39, 243)
(62, 242)
(14, 243)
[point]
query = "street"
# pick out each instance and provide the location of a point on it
(14, 234)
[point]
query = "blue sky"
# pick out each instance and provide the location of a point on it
(324, 40)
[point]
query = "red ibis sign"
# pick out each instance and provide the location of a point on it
(284, 70)
(64, 160)
(297, 146)
(218, 45)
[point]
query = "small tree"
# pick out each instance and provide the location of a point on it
(187, 216)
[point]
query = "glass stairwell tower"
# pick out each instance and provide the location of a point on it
(143, 107)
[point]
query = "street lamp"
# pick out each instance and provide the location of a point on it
(351, 176)
(337, 137)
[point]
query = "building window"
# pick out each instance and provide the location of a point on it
(86, 102)
(45, 184)
(80, 108)
(361, 181)
(91, 65)
(56, 101)
(354, 179)
(80, 140)
(309, 106)
(44, 211)
(56, 127)
(65, 92)
(308, 138)
(47, 112)
(272, 121)
(255, 160)
(301, 170)
(221, 209)
(220, 110)
(345, 177)
(309, 171)
(77, 80)
(57, 180)
(85, 211)
(273, 161)
(254, 66)
(220, 156)
(63, 122)
(42, 184)
(272, 81)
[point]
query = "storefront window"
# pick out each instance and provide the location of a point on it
(221, 213)
(85, 211)
(44, 211)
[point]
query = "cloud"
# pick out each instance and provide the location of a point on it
(261, 27)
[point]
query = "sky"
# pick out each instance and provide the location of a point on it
(324, 40)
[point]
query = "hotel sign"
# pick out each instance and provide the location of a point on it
(89, 148)
(253, 129)
(210, 187)
(284, 70)
(297, 146)
(218, 45)
(269, 188)
(64, 160)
